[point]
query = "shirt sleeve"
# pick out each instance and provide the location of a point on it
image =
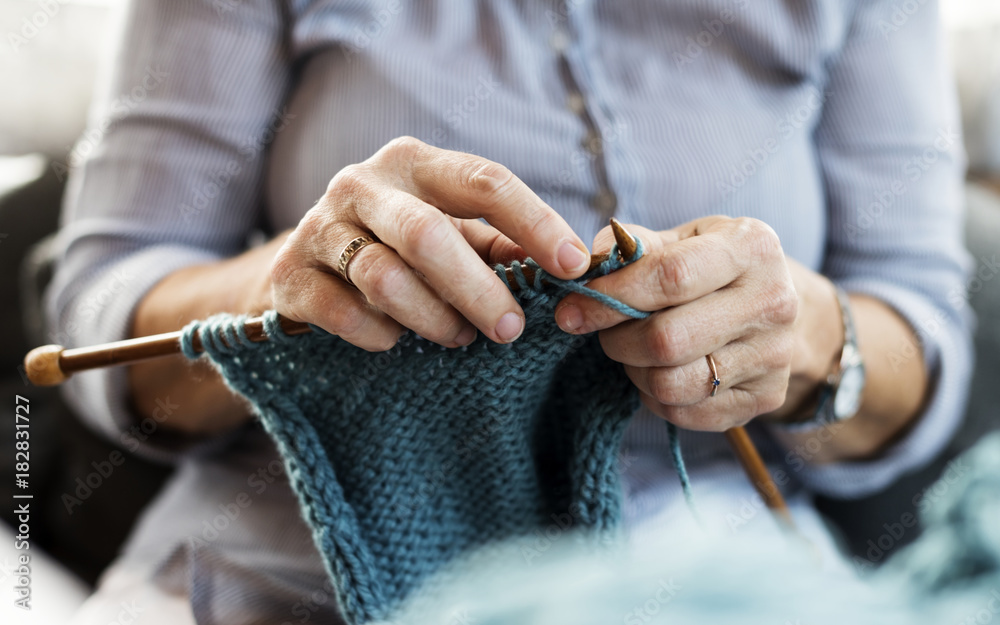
(893, 163)
(168, 174)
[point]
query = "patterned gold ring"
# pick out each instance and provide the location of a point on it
(715, 375)
(352, 248)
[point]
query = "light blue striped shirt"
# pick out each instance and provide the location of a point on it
(220, 117)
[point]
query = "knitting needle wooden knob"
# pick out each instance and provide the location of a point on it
(41, 365)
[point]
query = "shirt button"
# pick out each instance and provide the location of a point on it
(604, 202)
(593, 143)
(575, 103)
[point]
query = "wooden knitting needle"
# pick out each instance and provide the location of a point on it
(739, 440)
(51, 365)
(622, 236)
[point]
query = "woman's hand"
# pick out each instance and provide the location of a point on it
(717, 286)
(428, 271)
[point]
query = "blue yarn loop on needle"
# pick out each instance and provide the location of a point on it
(407, 459)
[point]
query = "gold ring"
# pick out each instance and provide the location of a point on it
(715, 375)
(352, 248)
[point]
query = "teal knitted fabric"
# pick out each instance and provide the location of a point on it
(406, 459)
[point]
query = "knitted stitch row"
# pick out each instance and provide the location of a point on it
(406, 459)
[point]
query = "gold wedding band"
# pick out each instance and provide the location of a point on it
(352, 248)
(715, 375)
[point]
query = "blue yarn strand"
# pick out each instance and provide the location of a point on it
(542, 277)
(681, 468)
(613, 263)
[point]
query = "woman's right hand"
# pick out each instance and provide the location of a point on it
(430, 272)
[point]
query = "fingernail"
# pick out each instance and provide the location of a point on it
(569, 318)
(572, 258)
(510, 327)
(466, 336)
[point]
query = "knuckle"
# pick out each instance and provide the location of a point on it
(404, 147)
(399, 155)
(399, 150)
(479, 300)
(539, 221)
(384, 280)
(347, 183)
(315, 225)
(769, 402)
(669, 343)
(784, 351)
(491, 180)
(442, 332)
(666, 386)
(285, 264)
(761, 238)
(783, 304)
(674, 274)
(425, 232)
(384, 342)
(345, 319)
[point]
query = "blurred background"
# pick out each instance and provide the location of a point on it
(49, 64)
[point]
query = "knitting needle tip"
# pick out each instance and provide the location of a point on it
(627, 244)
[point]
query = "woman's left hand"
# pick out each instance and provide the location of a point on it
(718, 286)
